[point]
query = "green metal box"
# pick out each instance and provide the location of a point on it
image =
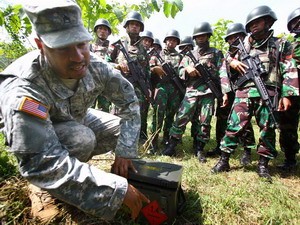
(160, 181)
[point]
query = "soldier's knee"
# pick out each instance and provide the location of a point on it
(79, 139)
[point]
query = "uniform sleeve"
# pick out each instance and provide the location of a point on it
(44, 162)
(225, 82)
(288, 68)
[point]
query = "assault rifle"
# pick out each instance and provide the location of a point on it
(206, 77)
(254, 73)
(137, 74)
(169, 70)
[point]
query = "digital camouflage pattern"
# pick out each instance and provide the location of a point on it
(52, 151)
(198, 102)
(167, 96)
(248, 103)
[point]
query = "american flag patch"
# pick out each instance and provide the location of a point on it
(33, 107)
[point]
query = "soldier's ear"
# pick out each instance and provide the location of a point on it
(39, 45)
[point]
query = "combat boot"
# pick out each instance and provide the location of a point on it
(42, 204)
(170, 148)
(263, 168)
(199, 151)
(215, 151)
(223, 163)
(246, 157)
(289, 164)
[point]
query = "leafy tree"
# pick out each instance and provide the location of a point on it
(18, 26)
(219, 32)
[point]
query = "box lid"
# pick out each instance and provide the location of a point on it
(157, 173)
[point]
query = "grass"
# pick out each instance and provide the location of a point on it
(235, 197)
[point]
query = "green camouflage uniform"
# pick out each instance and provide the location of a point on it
(198, 103)
(289, 119)
(167, 96)
(53, 132)
(247, 101)
(100, 48)
(137, 52)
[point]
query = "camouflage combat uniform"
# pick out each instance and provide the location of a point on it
(137, 52)
(198, 102)
(53, 132)
(248, 102)
(289, 119)
(167, 95)
(100, 48)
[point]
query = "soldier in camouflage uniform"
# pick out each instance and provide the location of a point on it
(198, 102)
(45, 99)
(134, 46)
(235, 30)
(289, 119)
(102, 30)
(167, 96)
(280, 73)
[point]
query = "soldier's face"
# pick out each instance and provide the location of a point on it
(69, 62)
(257, 26)
(171, 42)
(202, 38)
(102, 32)
(147, 42)
(233, 37)
(134, 27)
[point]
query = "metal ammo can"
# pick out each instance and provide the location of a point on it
(160, 181)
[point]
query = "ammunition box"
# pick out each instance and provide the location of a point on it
(160, 181)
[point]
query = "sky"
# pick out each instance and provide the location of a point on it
(210, 11)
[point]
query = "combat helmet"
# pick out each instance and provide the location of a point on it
(187, 40)
(147, 34)
(134, 16)
(157, 42)
(235, 28)
(102, 22)
(291, 17)
(202, 28)
(258, 12)
(173, 33)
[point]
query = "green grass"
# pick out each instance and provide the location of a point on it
(235, 197)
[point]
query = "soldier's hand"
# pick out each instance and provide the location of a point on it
(191, 71)
(121, 166)
(158, 70)
(123, 67)
(134, 200)
(238, 66)
(225, 100)
(284, 104)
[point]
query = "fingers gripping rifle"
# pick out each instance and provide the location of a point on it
(137, 74)
(254, 73)
(169, 70)
(206, 77)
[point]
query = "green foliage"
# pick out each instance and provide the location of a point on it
(219, 31)
(8, 165)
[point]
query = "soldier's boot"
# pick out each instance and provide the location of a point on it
(215, 151)
(223, 163)
(199, 151)
(170, 148)
(42, 204)
(289, 164)
(263, 170)
(246, 157)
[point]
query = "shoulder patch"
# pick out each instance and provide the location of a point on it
(34, 108)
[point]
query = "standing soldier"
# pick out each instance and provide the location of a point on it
(289, 119)
(280, 72)
(198, 102)
(102, 30)
(234, 31)
(136, 51)
(167, 95)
